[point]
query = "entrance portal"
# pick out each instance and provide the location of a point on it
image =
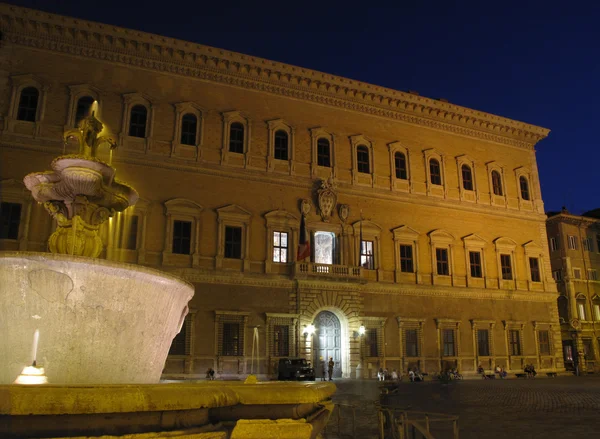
(328, 343)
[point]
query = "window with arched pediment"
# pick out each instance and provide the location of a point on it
(497, 183)
(28, 104)
(467, 177)
(281, 145)
(524, 187)
(581, 302)
(362, 159)
(400, 165)
(138, 121)
(435, 172)
(83, 108)
(236, 138)
(323, 152)
(189, 128)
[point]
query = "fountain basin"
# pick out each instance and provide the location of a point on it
(100, 322)
(199, 410)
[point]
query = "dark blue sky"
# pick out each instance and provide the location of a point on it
(524, 60)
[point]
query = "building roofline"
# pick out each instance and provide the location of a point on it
(561, 216)
(44, 30)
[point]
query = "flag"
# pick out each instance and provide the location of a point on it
(360, 248)
(303, 241)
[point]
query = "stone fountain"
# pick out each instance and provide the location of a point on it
(105, 329)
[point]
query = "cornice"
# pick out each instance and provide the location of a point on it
(41, 30)
(576, 220)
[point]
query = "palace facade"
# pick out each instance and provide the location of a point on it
(575, 259)
(424, 219)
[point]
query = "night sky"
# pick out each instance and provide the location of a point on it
(521, 60)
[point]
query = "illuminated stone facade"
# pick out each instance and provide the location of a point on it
(575, 258)
(228, 151)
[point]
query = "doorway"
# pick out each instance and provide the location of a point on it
(328, 343)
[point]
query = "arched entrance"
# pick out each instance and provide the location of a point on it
(328, 343)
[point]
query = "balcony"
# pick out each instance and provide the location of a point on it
(306, 269)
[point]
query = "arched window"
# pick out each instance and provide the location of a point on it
(84, 106)
(496, 183)
(323, 153)
(28, 103)
(400, 165)
(563, 308)
(467, 177)
(281, 145)
(189, 127)
(236, 138)
(524, 184)
(435, 172)
(137, 121)
(362, 159)
(596, 308)
(581, 307)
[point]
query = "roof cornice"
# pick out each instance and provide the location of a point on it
(45, 31)
(573, 219)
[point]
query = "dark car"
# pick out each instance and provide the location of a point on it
(295, 369)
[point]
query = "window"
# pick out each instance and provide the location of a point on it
(563, 308)
(131, 227)
(587, 243)
(435, 172)
(448, 342)
(83, 109)
(280, 247)
(592, 275)
(588, 351)
(506, 267)
(496, 183)
(467, 177)
(475, 263)
(553, 244)
(181, 344)
(236, 138)
(544, 342)
(406, 259)
(534, 269)
(514, 339)
(281, 145)
(189, 127)
(28, 104)
(572, 242)
(441, 255)
(577, 273)
(323, 153)
(362, 159)
(182, 237)
(371, 341)
(483, 342)
(231, 340)
(411, 339)
(581, 308)
(557, 275)
(597, 310)
(366, 255)
(324, 247)
(524, 185)
(281, 342)
(400, 164)
(10, 218)
(137, 121)
(233, 242)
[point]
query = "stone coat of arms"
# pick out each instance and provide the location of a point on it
(327, 199)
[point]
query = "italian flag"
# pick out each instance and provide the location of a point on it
(303, 241)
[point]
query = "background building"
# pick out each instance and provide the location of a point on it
(575, 258)
(426, 222)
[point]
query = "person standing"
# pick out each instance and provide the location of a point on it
(330, 368)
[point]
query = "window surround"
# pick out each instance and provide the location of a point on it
(488, 325)
(177, 148)
(544, 326)
(525, 173)
(533, 250)
(405, 235)
(355, 142)
(181, 209)
(471, 196)
(497, 200)
(141, 210)
(221, 317)
(230, 158)
(596, 308)
(514, 325)
(233, 216)
(434, 189)
(370, 232)
(316, 170)
(453, 324)
(397, 184)
(20, 82)
(475, 243)
(14, 191)
(275, 165)
(276, 319)
(130, 100)
(581, 300)
(281, 221)
(442, 239)
(506, 246)
(405, 323)
(377, 323)
(77, 92)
